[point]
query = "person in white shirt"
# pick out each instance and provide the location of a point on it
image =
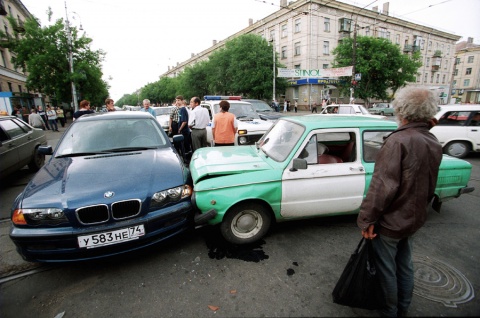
(52, 118)
(198, 122)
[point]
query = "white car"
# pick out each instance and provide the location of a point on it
(163, 116)
(250, 126)
(458, 129)
(349, 109)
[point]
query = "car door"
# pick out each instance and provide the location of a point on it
(10, 136)
(325, 188)
(473, 131)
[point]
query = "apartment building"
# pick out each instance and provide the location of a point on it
(13, 90)
(305, 32)
(466, 74)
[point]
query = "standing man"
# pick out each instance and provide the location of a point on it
(295, 105)
(146, 107)
(401, 188)
(52, 118)
(173, 124)
(84, 109)
(224, 126)
(109, 105)
(42, 114)
(198, 123)
(183, 124)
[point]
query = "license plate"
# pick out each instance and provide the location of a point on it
(113, 237)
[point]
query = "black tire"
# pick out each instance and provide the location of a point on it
(382, 113)
(245, 223)
(37, 161)
(457, 149)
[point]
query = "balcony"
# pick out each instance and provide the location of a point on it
(437, 53)
(416, 48)
(19, 27)
(435, 68)
(407, 48)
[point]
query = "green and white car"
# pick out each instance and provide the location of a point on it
(303, 167)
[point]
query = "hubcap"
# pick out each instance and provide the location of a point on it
(247, 224)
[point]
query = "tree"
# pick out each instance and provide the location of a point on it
(43, 53)
(382, 65)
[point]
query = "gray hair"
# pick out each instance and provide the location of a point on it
(146, 101)
(415, 104)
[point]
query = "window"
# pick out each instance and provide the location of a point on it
(4, 63)
(446, 64)
(328, 148)
(448, 50)
(438, 78)
(387, 35)
(454, 83)
(324, 66)
(466, 83)
(298, 50)
(284, 31)
(372, 142)
(20, 88)
(326, 24)
(443, 78)
(455, 73)
(422, 44)
(468, 71)
(453, 118)
(284, 52)
(457, 61)
(397, 39)
(272, 35)
(297, 66)
(429, 45)
(326, 48)
(367, 31)
(382, 33)
(431, 79)
(10, 88)
(425, 78)
(298, 25)
(470, 59)
(428, 62)
(345, 25)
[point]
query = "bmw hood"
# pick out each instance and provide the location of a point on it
(225, 161)
(80, 181)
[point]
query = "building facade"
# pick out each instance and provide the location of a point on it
(466, 74)
(305, 32)
(13, 89)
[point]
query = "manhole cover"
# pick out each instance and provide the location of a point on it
(440, 282)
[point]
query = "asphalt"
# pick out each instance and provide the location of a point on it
(11, 263)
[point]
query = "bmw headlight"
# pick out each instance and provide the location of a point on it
(43, 216)
(171, 195)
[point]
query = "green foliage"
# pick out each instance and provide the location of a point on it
(243, 67)
(381, 63)
(43, 53)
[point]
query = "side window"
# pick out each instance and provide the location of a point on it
(209, 110)
(11, 128)
(333, 147)
(372, 142)
(475, 119)
(454, 118)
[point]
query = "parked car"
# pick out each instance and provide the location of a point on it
(163, 116)
(19, 143)
(458, 129)
(250, 127)
(349, 109)
(263, 109)
(115, 183)
(303, 167)
(382, 109)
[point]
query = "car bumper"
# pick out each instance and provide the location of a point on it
(61, 244)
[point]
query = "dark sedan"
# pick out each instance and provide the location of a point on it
(115, 183)
(263, 109)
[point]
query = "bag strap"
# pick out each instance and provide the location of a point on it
(359, 245)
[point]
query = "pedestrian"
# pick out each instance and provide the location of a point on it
(296, 105)
(224, 126)
(401, 188)
(198, 123)
(84, 109)
(275, 105)
(314, 107)
(52, 118)
(42, 113)
(146, 107)
(288, 105)
(285, 106)
(109, 105)
(173, 123)
(25, 114)
(183, 125)
(16, 112)
(35, 120)
(61, 115)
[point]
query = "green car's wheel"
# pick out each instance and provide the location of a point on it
(245, 223)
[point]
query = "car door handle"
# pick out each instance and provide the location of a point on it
(357, 168)
(474, 130)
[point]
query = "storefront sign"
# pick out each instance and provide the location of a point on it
(325, 72)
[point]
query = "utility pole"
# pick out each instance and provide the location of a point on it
(274, 66)
(70, 61)
(354, 58)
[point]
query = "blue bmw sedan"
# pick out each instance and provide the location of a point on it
(115, 183)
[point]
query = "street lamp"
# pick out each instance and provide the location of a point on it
(70, 60)
(273, 50)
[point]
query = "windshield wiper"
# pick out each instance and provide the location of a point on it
(79, 154)
(122, 149)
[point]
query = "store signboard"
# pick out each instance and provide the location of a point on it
(325, 72)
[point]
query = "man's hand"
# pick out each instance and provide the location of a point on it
(368, 233)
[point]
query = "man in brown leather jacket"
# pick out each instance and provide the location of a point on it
(402, 186)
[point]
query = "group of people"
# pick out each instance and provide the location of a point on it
(46, 120)
(286, 106)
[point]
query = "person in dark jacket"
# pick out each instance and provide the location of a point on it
(401, 188)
